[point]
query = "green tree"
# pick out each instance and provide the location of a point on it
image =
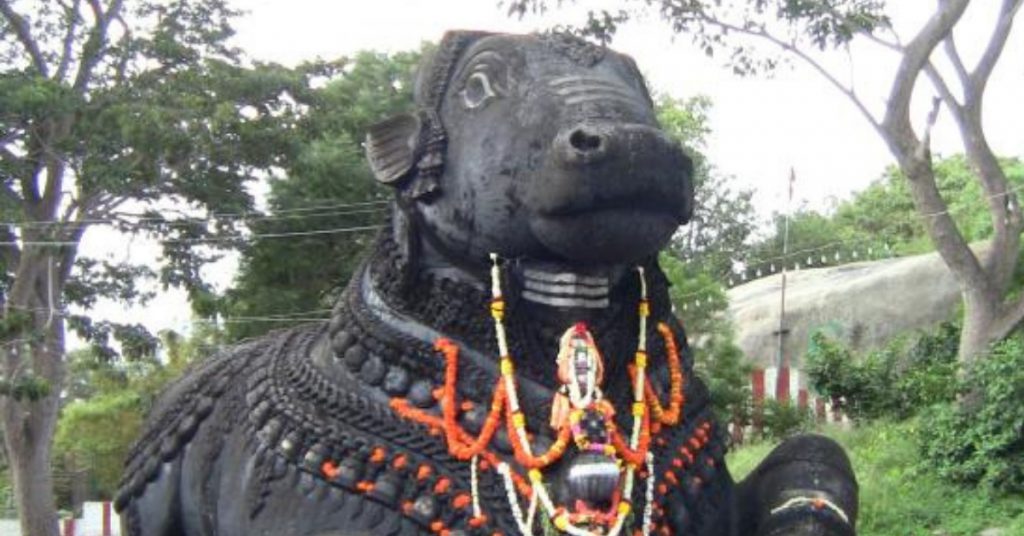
(909, 374)
(886, 208)
(812, 236)
(700, 257)
(108, 402)
(807, 32)
(282, 282)
(111, 113)
(700, 303)
(880, 219)
(723, 216)
(982, 443)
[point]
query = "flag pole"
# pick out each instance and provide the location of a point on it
(782, 361)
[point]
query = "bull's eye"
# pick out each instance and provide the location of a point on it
(477, 90)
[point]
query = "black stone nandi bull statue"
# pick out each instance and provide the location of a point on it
(546, 388)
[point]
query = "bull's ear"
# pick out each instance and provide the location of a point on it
(392, 146)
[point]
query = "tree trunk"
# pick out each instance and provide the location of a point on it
(29, 427)
(36, 352)
(977, 332)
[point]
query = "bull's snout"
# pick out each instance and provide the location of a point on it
(610, 192)
(585, 142)
(593, 166)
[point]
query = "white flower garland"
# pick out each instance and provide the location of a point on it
(540, 492)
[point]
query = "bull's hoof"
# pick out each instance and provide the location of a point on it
(805, 487)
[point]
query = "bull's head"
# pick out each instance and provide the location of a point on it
(541, 147)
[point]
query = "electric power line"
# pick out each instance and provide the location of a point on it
(214, 239)
(810, 251)
(298, 213)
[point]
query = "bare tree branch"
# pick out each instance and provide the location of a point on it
(102, 207)
(126, 38)
(55, 171)
(1006, 217)
(96, 44)
(74, 19)
(24, 34)
(901, 137)
(924, 147)
(1012, 316)
(69, 253)
(1004, 23)
(813, 63)
(891, 45)
(29, 182)
(949, 46)
(948, 98)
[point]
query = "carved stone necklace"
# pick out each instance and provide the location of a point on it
(599, 480)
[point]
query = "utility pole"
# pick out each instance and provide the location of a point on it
(781, 359)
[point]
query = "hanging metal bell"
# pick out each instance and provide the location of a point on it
(592, 478)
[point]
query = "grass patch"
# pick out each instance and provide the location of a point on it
(897, 497)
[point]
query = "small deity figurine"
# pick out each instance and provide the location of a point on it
(580, 371)
(593, 475)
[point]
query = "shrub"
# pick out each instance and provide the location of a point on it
(897, 381)
(927, 374)
(727, 374)
(783, 419)
(981, 441)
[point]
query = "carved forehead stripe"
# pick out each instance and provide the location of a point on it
(579, 89)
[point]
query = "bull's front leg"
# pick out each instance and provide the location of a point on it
(157, 511)
(805, 487)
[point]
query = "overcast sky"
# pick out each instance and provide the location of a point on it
(760, 126)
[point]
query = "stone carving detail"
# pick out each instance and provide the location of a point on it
(545, 151)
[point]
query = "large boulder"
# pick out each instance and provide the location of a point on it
(865, 304)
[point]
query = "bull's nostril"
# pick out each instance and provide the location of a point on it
(583, 141)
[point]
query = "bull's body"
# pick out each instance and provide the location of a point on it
(297, 433)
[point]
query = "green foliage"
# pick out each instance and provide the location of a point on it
(895, 382)
(90, 372)
(719, 27)
(685, 120)
(781, 419)
(717, 358)
(981, 441)
(723, 216)
(688, 285)
(814, 240)
(138, 116)
(286, 281)
(897, 496)
(13, 325)
(26, 387)
(105, 404)
(726, 372)
(885, 209)
(723, 219)
(99, 432)
(881, 218)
